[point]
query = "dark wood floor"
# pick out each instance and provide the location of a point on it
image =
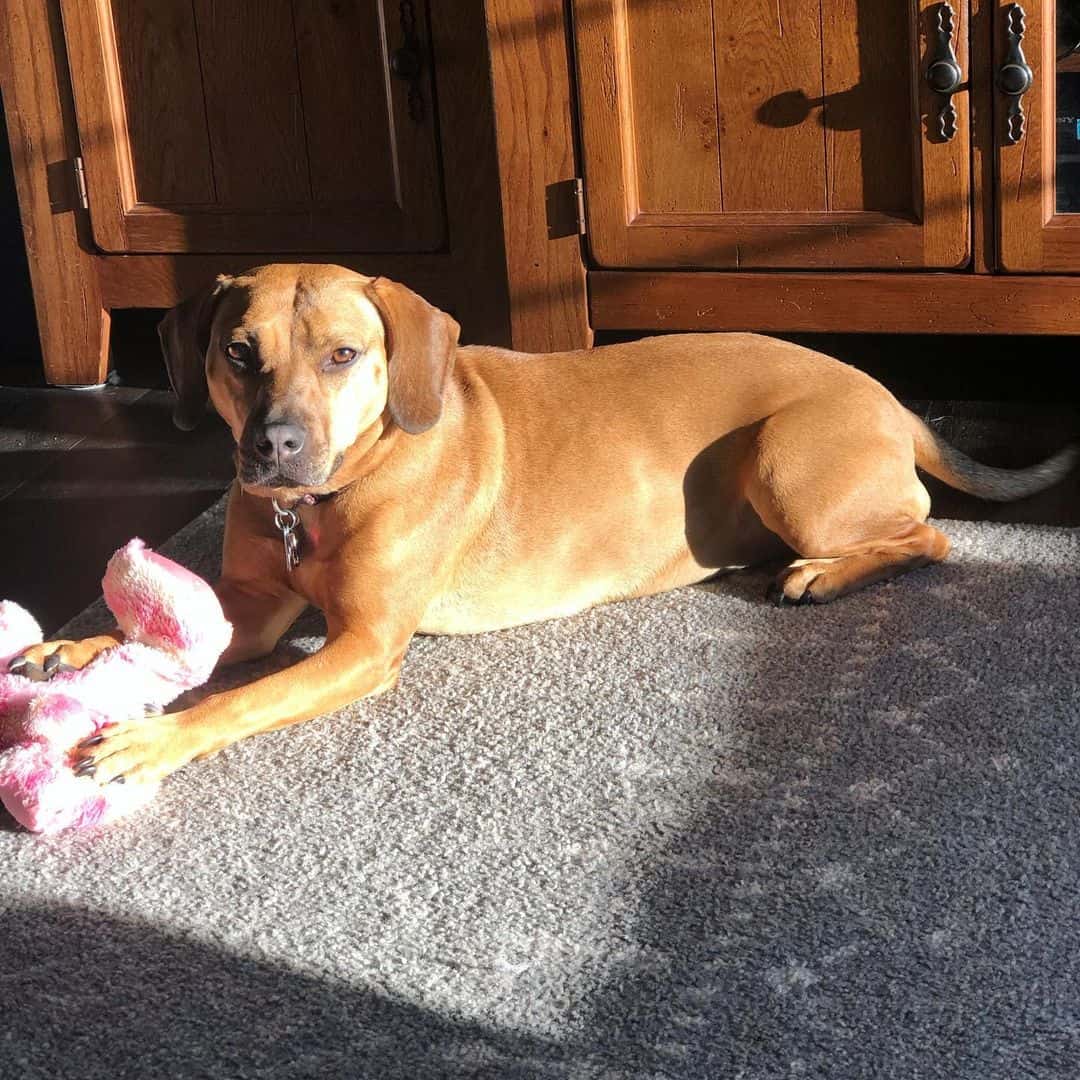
(83, 471)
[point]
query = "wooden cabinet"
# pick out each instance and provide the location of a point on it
(770, 133)
(806, 138)
(156, 145)
(545, 169)
(267, 127)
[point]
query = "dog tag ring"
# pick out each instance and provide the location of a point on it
(287, 522)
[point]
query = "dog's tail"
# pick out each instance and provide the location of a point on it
(949, 465)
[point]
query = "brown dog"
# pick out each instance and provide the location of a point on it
(453, 490)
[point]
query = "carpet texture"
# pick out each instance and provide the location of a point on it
(692, 836)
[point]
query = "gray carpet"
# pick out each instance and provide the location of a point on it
(691, 836)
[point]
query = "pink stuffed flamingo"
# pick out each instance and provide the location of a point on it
(174, 633)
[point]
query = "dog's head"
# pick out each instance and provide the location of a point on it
(303, 361)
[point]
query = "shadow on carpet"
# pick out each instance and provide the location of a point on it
(689, 836)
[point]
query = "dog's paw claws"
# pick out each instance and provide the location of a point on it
(776, 596)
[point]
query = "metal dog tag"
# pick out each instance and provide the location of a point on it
(287, 522)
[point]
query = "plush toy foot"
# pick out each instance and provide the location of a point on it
(139, 751)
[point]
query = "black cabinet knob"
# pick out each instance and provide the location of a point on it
(405, 64)
(1014, 79)
(944, 76)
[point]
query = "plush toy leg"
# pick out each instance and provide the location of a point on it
(42, 794)
(18, 631)
(175, 633)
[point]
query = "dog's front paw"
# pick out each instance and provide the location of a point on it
(136, 751)
(39, 662)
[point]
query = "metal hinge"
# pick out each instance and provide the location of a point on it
(66, 180)
(566, 208)
(80, 182)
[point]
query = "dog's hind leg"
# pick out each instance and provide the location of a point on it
(844, 497)
(817, 581)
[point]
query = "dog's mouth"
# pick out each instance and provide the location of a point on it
(272, 476)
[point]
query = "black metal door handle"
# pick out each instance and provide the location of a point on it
(407, 61)
(1014, 77)
(943, 72)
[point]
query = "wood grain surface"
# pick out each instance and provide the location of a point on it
(828, 153)
(255, 127)
(73, 323)
(836, 303)
(534, 127)
(765, 48)
(1031, 235)
(674, 107)
(158, 58)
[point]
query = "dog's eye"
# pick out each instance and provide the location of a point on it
(343, 356)
(238, 352)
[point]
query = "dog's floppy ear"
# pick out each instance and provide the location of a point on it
(185, 336)
(420, 345)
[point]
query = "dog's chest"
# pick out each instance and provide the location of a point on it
(551, 590)
(458, 613)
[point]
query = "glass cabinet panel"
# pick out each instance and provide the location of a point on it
(1067, 194)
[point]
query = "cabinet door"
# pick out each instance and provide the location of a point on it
(771, 133)
(277, 126)
(1037, 134)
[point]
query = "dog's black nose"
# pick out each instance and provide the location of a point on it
(279, 442)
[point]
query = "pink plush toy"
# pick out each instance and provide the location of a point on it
(174, 633)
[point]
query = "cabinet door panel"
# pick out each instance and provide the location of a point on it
(770, 133)
(237, 127)
(867, 108)
(158, 52)
(687, 179)
(252, 101)
(328, 42)
(764, 49)
(1038, 205)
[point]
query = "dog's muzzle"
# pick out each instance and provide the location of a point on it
(279, 455)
